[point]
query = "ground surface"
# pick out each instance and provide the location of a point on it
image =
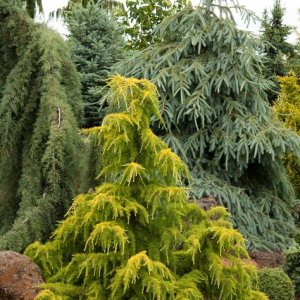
(267, 259)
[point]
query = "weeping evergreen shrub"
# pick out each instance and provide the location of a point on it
(217, 117)
(136, 237)
(40, 106)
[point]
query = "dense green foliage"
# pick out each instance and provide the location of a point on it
(139, 17)
(32, 6)
(96, 44)
(276, 50)
(103, 3)
(136, 237)
(294, 62)
(288, 110)
(142, 16)
(292, 267)
(275, 284)
(111, 5)
(40, 105)
(217, 118)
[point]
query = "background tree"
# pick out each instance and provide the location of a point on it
(136, 237)
(138, 17)
(103, 3)
(111, 5)
(40, 148)
(218, 119)
(276, 50)
(32, 6)
(142, 16)
(294, 62)
(96, 44)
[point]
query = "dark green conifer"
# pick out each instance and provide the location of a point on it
(96, 44)
(32, 6)
(102, 3)
(136, 237)
(294, 61)
(217, 118)
(40, 105)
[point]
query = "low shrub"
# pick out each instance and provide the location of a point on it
(276, 284)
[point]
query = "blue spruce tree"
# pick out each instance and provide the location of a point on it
(96, 43)
(217, 117)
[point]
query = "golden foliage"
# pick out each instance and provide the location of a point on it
(288, 110)
(109, 248)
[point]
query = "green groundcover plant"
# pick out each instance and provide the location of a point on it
(136, 237)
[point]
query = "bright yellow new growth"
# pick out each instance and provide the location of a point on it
(107, 235)
(119, 121)
(171, 165)
(157, 196)
(130, 273)
(132, 171)
(151, 142)
(288, 104)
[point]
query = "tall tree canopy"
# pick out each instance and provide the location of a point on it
(102, 3)
(139, 17)
(277, 49)
(40, 106)
(105, 4)
(217, 117)
(96, 43)
(142, 16)
(136, 237)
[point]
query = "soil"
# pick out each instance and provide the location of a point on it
(268, 259)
